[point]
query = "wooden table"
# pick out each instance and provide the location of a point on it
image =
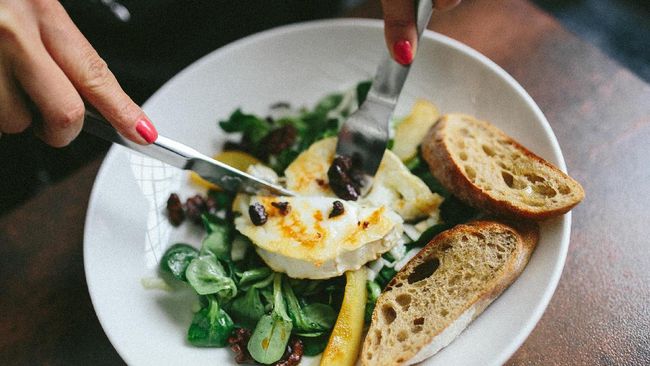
(600, 112)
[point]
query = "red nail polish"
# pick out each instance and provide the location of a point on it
(403, 52)
(146, 129)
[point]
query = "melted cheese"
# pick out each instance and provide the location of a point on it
(394, 185)
(307, 243)
(307, 174)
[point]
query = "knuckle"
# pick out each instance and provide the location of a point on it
(70, 117)
(8, 25)
(96, 74)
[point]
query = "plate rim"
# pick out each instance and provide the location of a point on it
(566, 220)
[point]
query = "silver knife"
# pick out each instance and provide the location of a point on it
(184, 157)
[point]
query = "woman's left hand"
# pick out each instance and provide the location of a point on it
(400, 28)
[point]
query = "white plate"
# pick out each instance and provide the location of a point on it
(126, 231)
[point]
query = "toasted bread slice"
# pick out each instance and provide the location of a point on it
(489, 170)
(443, 288)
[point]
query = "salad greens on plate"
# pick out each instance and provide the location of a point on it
(266, 316)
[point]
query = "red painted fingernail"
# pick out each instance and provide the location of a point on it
(146, 129)
(403, 52)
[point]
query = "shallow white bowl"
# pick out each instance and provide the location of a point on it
(126, 231)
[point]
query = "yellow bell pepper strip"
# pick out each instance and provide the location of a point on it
(345, 341)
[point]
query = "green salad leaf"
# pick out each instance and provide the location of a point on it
(320, 315)
(271, 335)
(256, 275)
(314, 346)
(248, 308)
(311, 321)
(219, 238)
(362, 91)
(269, 339)
(374, 290)
(210, 327)
(254, 129)
(207, 276)
(177, 258)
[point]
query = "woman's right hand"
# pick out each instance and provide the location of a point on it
(47, 62)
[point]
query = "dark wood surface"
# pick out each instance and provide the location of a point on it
(600, 112)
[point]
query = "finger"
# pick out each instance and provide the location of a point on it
(400, 29)
(446, 4)
(60, 106)
(14, 115)
(48, 87)
(92, 77)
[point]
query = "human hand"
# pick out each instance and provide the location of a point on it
(400, 28)
(45, 60)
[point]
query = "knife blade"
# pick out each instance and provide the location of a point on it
(184, 157)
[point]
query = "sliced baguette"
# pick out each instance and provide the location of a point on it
(443, 288)
(489, 170)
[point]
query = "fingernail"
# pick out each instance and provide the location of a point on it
(403, 52)
(146, 129)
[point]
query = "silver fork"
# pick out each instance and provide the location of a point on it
(364, 134)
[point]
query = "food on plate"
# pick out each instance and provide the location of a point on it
(279, 278)
(394, 185)
(345, 342)
(412, 129)
(443, 288)
(489, 170)
(306, 242)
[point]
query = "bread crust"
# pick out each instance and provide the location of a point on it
(442, 165)
(527, 234)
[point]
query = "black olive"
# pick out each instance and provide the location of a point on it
(258, 214)
(344, 179)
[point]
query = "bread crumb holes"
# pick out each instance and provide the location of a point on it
(388, 313)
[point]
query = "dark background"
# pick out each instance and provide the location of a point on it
(163, 36)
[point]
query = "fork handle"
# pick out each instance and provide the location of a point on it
(390, 76)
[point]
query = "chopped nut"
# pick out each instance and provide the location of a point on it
(175, 210)
(239, 344)
(195, 207)
(279, 139)
(337, 209)
(283, 207)
(257, 213)
(212, 205)
(292, 355)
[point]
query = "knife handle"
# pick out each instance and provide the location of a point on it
(184, 157)
(162, 149)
